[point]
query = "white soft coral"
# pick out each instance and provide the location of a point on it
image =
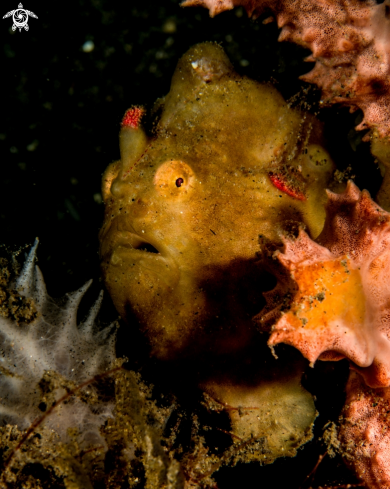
(42, 360)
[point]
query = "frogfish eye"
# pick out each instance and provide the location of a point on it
(172, 175)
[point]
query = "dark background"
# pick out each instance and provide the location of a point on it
(60, 114)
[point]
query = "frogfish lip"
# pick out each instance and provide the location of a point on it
(121, 233)
(120, 245)
(128, 240)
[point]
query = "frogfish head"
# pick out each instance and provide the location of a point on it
(227, 160)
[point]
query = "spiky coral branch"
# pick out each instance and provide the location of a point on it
(49, 355)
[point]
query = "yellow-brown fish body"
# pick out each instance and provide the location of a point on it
(228, 161)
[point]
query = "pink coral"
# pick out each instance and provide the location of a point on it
(339, 288)
(365, 432)
(332, 301)
(350, 42)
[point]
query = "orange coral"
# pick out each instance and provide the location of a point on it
(350, 42)
(339, 288)
(365, 432)
(332, 301)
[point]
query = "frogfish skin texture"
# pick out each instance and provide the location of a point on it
(227, 160)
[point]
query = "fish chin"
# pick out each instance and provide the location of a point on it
(140, 281)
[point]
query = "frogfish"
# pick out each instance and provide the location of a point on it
(221, 165)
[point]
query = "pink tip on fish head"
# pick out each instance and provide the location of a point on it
(132, 117)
